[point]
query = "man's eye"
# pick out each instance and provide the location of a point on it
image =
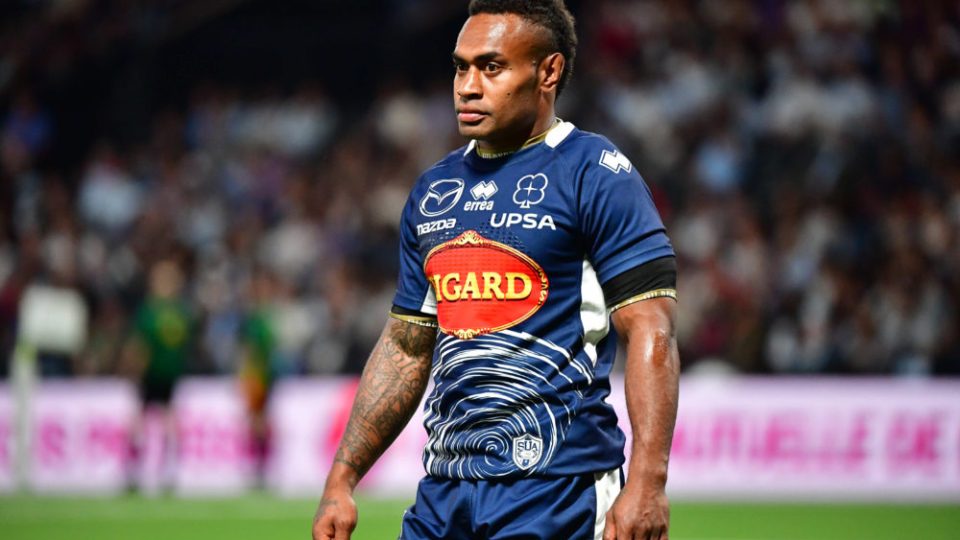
(492, 67)
(459, 68)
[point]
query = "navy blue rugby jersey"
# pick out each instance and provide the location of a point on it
(509, 254)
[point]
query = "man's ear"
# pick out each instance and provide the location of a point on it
(551, 70)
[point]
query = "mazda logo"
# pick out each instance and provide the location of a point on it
(442, 195)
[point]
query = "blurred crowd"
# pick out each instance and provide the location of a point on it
(805, 156)
(808, 154)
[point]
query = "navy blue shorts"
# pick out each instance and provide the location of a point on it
(572, 508)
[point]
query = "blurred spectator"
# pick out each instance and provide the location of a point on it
(109, 198)
(163, 329)
(158, 354)
(104, 348)
(257, 370)
(27, 126)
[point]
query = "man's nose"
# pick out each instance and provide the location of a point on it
(469, 84)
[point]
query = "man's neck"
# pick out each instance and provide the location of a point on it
(539, 133)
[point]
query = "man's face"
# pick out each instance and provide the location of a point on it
(496, 89)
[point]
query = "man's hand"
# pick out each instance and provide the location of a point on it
(638, 514)
(336, 516)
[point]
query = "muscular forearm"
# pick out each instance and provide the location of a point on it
(652, 376)
(651, 387)
(390, 389)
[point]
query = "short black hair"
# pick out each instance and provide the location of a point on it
(552, 15)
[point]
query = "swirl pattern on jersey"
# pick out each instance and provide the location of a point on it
(494, 389)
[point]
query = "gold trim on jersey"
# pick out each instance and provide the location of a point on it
(429, 322)
(656, 293)
(486, 154)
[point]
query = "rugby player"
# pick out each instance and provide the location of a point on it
(517, 252)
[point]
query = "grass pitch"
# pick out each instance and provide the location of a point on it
(261, 516)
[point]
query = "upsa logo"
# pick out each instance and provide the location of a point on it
(483, 286)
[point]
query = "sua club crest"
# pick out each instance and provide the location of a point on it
(527, 450)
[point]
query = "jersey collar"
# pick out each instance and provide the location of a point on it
(530, 142)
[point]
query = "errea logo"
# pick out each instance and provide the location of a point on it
(484, 190)
(481, 193)
(615, 161)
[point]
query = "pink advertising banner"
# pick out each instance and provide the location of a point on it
(308, 417)
(837, 438)
(747, 438)
(80, 437)
(7, 478)
(212, 439)
(816, 438)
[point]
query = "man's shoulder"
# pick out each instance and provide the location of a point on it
(451, 161)
(593, 149)
(448, 168)
(576, 138)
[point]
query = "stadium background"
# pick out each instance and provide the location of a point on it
(805, 156)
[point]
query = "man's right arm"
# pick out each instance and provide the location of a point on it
(390, 390)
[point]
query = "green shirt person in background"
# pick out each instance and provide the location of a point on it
(162, 334)
(157, 354)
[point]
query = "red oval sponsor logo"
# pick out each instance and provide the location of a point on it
(483, 286)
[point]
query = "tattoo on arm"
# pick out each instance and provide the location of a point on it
(414, 340)
(390, 389)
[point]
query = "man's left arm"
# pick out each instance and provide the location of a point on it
(642, 510)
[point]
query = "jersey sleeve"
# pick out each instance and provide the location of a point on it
(414, 300)
(621, 225)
